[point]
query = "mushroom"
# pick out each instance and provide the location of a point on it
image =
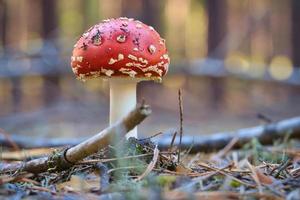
(123, 51)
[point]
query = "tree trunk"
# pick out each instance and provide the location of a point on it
(49, 34)
(148, 11)
(10, 23)
(2, 23)
(296, 32)
(216, 45)
(150, 15)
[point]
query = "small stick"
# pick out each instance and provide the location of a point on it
(181, 122)
(172, 142)
(152, 136)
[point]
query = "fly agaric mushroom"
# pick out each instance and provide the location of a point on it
(123, 51)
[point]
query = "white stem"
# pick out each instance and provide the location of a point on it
(122, 101)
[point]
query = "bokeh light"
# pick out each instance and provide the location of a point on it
(281, 68)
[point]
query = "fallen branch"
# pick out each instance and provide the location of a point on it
(265, 134)
(66, 159)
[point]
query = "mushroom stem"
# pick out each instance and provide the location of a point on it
(122, 101)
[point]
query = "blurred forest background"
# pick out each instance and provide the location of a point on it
(233, 59)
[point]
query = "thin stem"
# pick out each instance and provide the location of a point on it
(181, 122)
(122, 101)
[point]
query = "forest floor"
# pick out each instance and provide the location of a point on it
(137, 169)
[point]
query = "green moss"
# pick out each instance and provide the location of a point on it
(166, 180)
(235, 184)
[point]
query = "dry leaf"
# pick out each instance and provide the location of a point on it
(264, 179)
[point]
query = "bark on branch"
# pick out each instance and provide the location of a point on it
(74, 154)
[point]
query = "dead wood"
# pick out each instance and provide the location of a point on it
(65, 159)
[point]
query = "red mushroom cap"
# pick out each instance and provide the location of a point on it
(120, 48)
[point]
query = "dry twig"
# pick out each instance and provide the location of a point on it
(181, 122)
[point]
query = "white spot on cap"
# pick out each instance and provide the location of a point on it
(152, 49)
(133, 64)
(166, 56)
(132, 57)
(153, 68)
(130, 72)
(86, 34)
(120, 57)
(121, 38)
(72, 58)
(79, 58)
(144, 61)
(97, 40)
(113, 61)
(138, 25)
(135, 49)
(107, 72)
